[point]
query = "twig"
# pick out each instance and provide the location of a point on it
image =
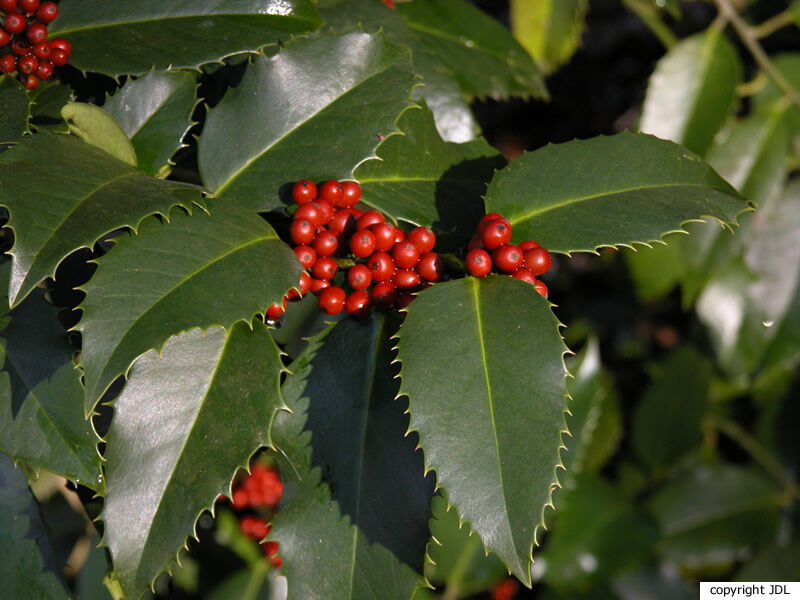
(649, 15)
(779, 21)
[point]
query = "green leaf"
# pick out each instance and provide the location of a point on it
(490, 422)
(788, 64)
(14, 109)
(482, 55)
(353, 518)
(608, 191)
(28, 569)
(692, 90)
(653, 583)
(457, 557)
(41, 396)
(596, 533)
(595, 422)
(355, 85)
(83, 194)
(657, 270)
(48, 99)
(182, 424)
(155, 112)
(208, 31)
(709, 516)
(96, 127)
(442, 190)
(170, 276)
(549, 29)
(773, 563)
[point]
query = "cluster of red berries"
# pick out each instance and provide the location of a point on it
(258, 492)
(490, 250)
(381, 265)
(25, 30)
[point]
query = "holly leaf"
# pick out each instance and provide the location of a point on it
(345, 529)
(182, 424)
(666, 423)
(208, 31)
(16, 108)
(41, 419)
(155, 112)
(692, 91)
(608, 191)
(443, 191)
(490, 424)
(550, 30)
(482, 55)
(28, 570)
(81, 195)
(170, 275)
(96, 127)
(312, 86)
(709, 516)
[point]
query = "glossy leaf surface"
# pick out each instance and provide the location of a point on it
(155, 112)
(182, 424)
(15, 109)
(41, 396)
(171, 275)
(608, 191)
(95, 126)
(490, 427)
(692, 91)
(208, 31)
(353, 520)
(355, 84)
(82, 195)
(549, 29)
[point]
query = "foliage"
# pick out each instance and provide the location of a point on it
(422, 451)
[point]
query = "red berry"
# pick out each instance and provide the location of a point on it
(15, 23)
(20, 46)
(306, 255)
(479, 263)
(359, 277)
(303, 287)
(30, 82)
(317, 285)
(8, 6)
(343, 222)
(5, 37)
(47, 12)
(61, 43)
(276, 561)
(358, 303)
(326, 243)
(405, 255)
(475, 243)
(496, 234)
(304, 191)
(423, 238)
(275, 311)
(538, 260)
(399, 235)
(45, 70)
(371, 217)
(406, 279)
(42, 50)
(384, 295)
(430, 267)
(508, 258)
(8, 63)
(382, 266)
(331, 300)
(302, 232)
(541, 288)
(351, 193)
(28, 64)
(331, 191)
(327, 210)
(28, 6)
(384, 236)
(486, 219)
(324, 268)
(528, 245)
(310, 212)
(37, 33)
(525, 275)
(362, 244)
(389, 3)
(58, 56)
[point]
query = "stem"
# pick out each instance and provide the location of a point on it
(758, 452)
(649, 15)
(779, 21)
(750, 39)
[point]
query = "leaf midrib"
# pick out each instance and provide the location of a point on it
(587, 197)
